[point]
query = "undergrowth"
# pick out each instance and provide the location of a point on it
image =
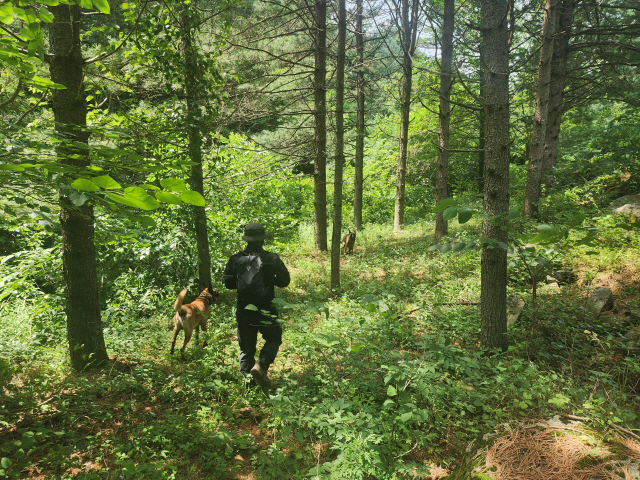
(383, 379)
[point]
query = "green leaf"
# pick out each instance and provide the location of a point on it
(85, 4)
(173, 184)
(433, 248)
(124, 200)
(391, 391)
(251, 307)
(445, 248)
(78, 198)
(144, 220)
(447, 202)
(13, 168)
(5, 462)
(464, 214)
(405, 417)
(136, 193)
(167, 197)
(193, 198)
(45, 15)
(450, 213)
(106, 182)
(85, 185)
(458, 247)
(513, 214)
(103, 6)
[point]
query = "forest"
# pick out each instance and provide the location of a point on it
(453, 186)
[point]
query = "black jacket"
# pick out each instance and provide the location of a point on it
(275, 275)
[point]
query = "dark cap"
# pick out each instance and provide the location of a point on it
(254, 232)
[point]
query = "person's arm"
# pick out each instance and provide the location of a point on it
(281, 276)
(230, 279)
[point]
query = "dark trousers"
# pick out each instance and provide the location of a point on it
(247, 339)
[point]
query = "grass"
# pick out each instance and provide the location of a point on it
(383, 379)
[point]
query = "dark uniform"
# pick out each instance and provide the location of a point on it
(250, 322)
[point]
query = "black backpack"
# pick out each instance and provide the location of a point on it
(249, 270)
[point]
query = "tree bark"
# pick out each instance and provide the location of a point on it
(337, 184)
(84, 325)
(358, 181)
(556, 89)
(320, 114)
(493, 296)
(444, 115)
(481, 125)
(536, 149)
(408, 41)
(191, 78)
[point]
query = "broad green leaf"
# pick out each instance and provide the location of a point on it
(144, 220)
(513, 214)
(173, 184)
(103, 6)
(106, 182)
(78, 198)
(193, 198)
(445, 248)
(136, 193)
(405, 417)
(433, 248)
(251, 307)
(85, 185)
(85, 4)
(45, 15)
(458, 247)
(6, 462)
(167, 197)
(464, 214)
(578, 217)
(450, 213)
(14, 168)
(124, 200)
(391, 391)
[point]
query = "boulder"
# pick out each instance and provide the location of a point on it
(515, 306)
(548, 289)
(630, 211)
(601, 299)
(618, 202)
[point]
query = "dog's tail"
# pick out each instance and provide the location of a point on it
(178, 305)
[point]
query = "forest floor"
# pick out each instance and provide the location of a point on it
(384, 379)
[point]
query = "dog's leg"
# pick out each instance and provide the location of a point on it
(198, 334)
(187, 337)
(204, 329)
(176, 329)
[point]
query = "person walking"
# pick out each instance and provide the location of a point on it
(254, 272)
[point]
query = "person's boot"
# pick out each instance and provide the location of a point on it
(260, 377)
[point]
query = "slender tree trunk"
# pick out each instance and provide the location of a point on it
(337, 184)
(320, 99)
(359, 182)
(493, 296)
(84, 325)
(536, 149)
(444, 115)
(408, 40)
(191, 78)
(481, 126)
(556, 90)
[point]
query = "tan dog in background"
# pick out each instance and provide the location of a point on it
(348, 241)
(191, 316)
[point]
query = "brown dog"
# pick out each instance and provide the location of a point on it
(191, 316)
(348, 241)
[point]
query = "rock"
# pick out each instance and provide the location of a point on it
(515, 305)
(601, 299)
(551, 279)
(631, 211)
(564, 276)
(618, 202)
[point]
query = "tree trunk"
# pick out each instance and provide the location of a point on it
(337, 185)
(359, 182)
(481, 125)
(320, 114)
(493, 296)
(191, 78)
(536, 149)
(84, 325)
(444, 115)
(556, 90)
(408, 42)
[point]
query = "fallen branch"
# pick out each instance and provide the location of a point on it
(613, 425)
